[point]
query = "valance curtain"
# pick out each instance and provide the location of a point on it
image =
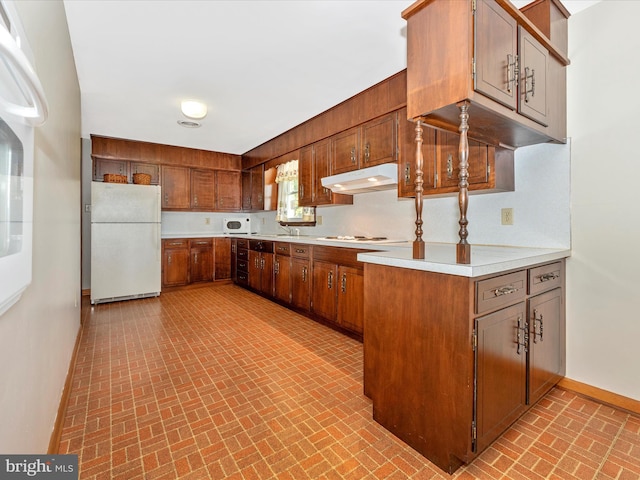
(287, 181)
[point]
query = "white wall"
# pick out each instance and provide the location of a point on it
(603, 282)
(540, 203)
(37, 334)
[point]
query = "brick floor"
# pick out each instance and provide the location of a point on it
(219, 383)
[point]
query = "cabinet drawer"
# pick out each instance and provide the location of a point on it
(261, 246)
(242, 254)
(204, 242)
(545, 277)
(283, 248)
(243, 243)
(501, 291)
(300, 251)
(243, 278)
(176, 243)
(243, 266)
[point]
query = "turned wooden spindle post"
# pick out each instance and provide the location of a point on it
(463, 249)
(418, 243)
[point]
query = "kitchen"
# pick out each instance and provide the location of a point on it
(599, 353)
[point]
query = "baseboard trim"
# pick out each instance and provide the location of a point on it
(86, 292)
(600, 395)
(56, 434)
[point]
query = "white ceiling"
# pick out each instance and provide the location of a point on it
(262, 67)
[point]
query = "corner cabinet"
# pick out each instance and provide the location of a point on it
(497, 349)
(512, 75)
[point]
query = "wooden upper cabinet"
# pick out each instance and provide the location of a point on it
(533, 78)
(345, 151)
(511, 74)
(150, 169)
(202, 189)
(496, 43)
(102, 166)
(449, 163)
(322, 168)
(176, 187)
(380, 140)
(314, 163)
(407, 157)
(305, 176)
(227, 191)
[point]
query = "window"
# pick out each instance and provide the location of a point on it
(289, 212)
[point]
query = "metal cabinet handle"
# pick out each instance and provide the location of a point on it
(304, 274)
(353, 154)
(262, 264)
(195, 200)
(330, 280)
(498, 292)
(169, 260)
(367, 152)
(528, 91)
(548, 276)
(233, 248)
(301, 188)
(512, 70)
(343, 286)
(300, 250)
(166, 198)
(276, 268)
(175, 243)
(540, 331)
(449, 166)
(407, 173)
(522, 336)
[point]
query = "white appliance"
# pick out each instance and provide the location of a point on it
(233, 225)
(126, 253)
(363, 180)
(22, 107)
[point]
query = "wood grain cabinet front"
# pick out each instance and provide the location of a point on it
(201, 264)
(510, 73)
(315, 163)
(175, 262)
(497, 349)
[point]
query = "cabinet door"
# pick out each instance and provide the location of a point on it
(176, 187)
(255, 270)
(227, 190)
(266, 273)
(282, 278)
(323, 294)
(407, 158)
(257, 188)
(546, 343)
(222, 259)
(321, 168)
(449, 160)
(345, 151)
(149, 169)
(201, 264)
(103, 165)
(246, 190)
(496, 36)
(351, 299)
(175, 267)
(300, 283)
(305, 177)
(380, 141)
(532, 98)
(501, 372)
(202, 189)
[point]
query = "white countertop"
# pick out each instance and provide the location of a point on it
(440, 257)
(485, 259)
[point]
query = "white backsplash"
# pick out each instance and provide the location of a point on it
(540, 205)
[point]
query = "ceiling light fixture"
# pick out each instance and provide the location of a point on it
(193, 109)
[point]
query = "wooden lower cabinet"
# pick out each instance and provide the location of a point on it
(201, 265)
(282, 278)
(186, 261)
(261, 266)
(300, 283)
(451, 362)
(175, 262)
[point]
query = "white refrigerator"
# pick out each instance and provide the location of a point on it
(126, 253)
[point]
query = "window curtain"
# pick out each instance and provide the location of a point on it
(287, 181)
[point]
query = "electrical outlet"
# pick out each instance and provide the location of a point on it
(319, 220)
(507, 216)
(207, 221)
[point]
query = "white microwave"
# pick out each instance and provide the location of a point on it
(235, 225)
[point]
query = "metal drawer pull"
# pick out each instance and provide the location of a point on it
(330, 280)
(537, 319)
(548, 276)
(175, 243)
(498, 292)
(407, 173)
(276, 270)
(304, 274)
(196, 259)
(300, 250)
(344, 283)
(449, 166)
(533, 84)
(512, 70)
(522, 336)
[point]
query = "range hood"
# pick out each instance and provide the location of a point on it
(370, 179)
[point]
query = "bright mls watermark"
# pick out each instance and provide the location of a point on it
(49, 467)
